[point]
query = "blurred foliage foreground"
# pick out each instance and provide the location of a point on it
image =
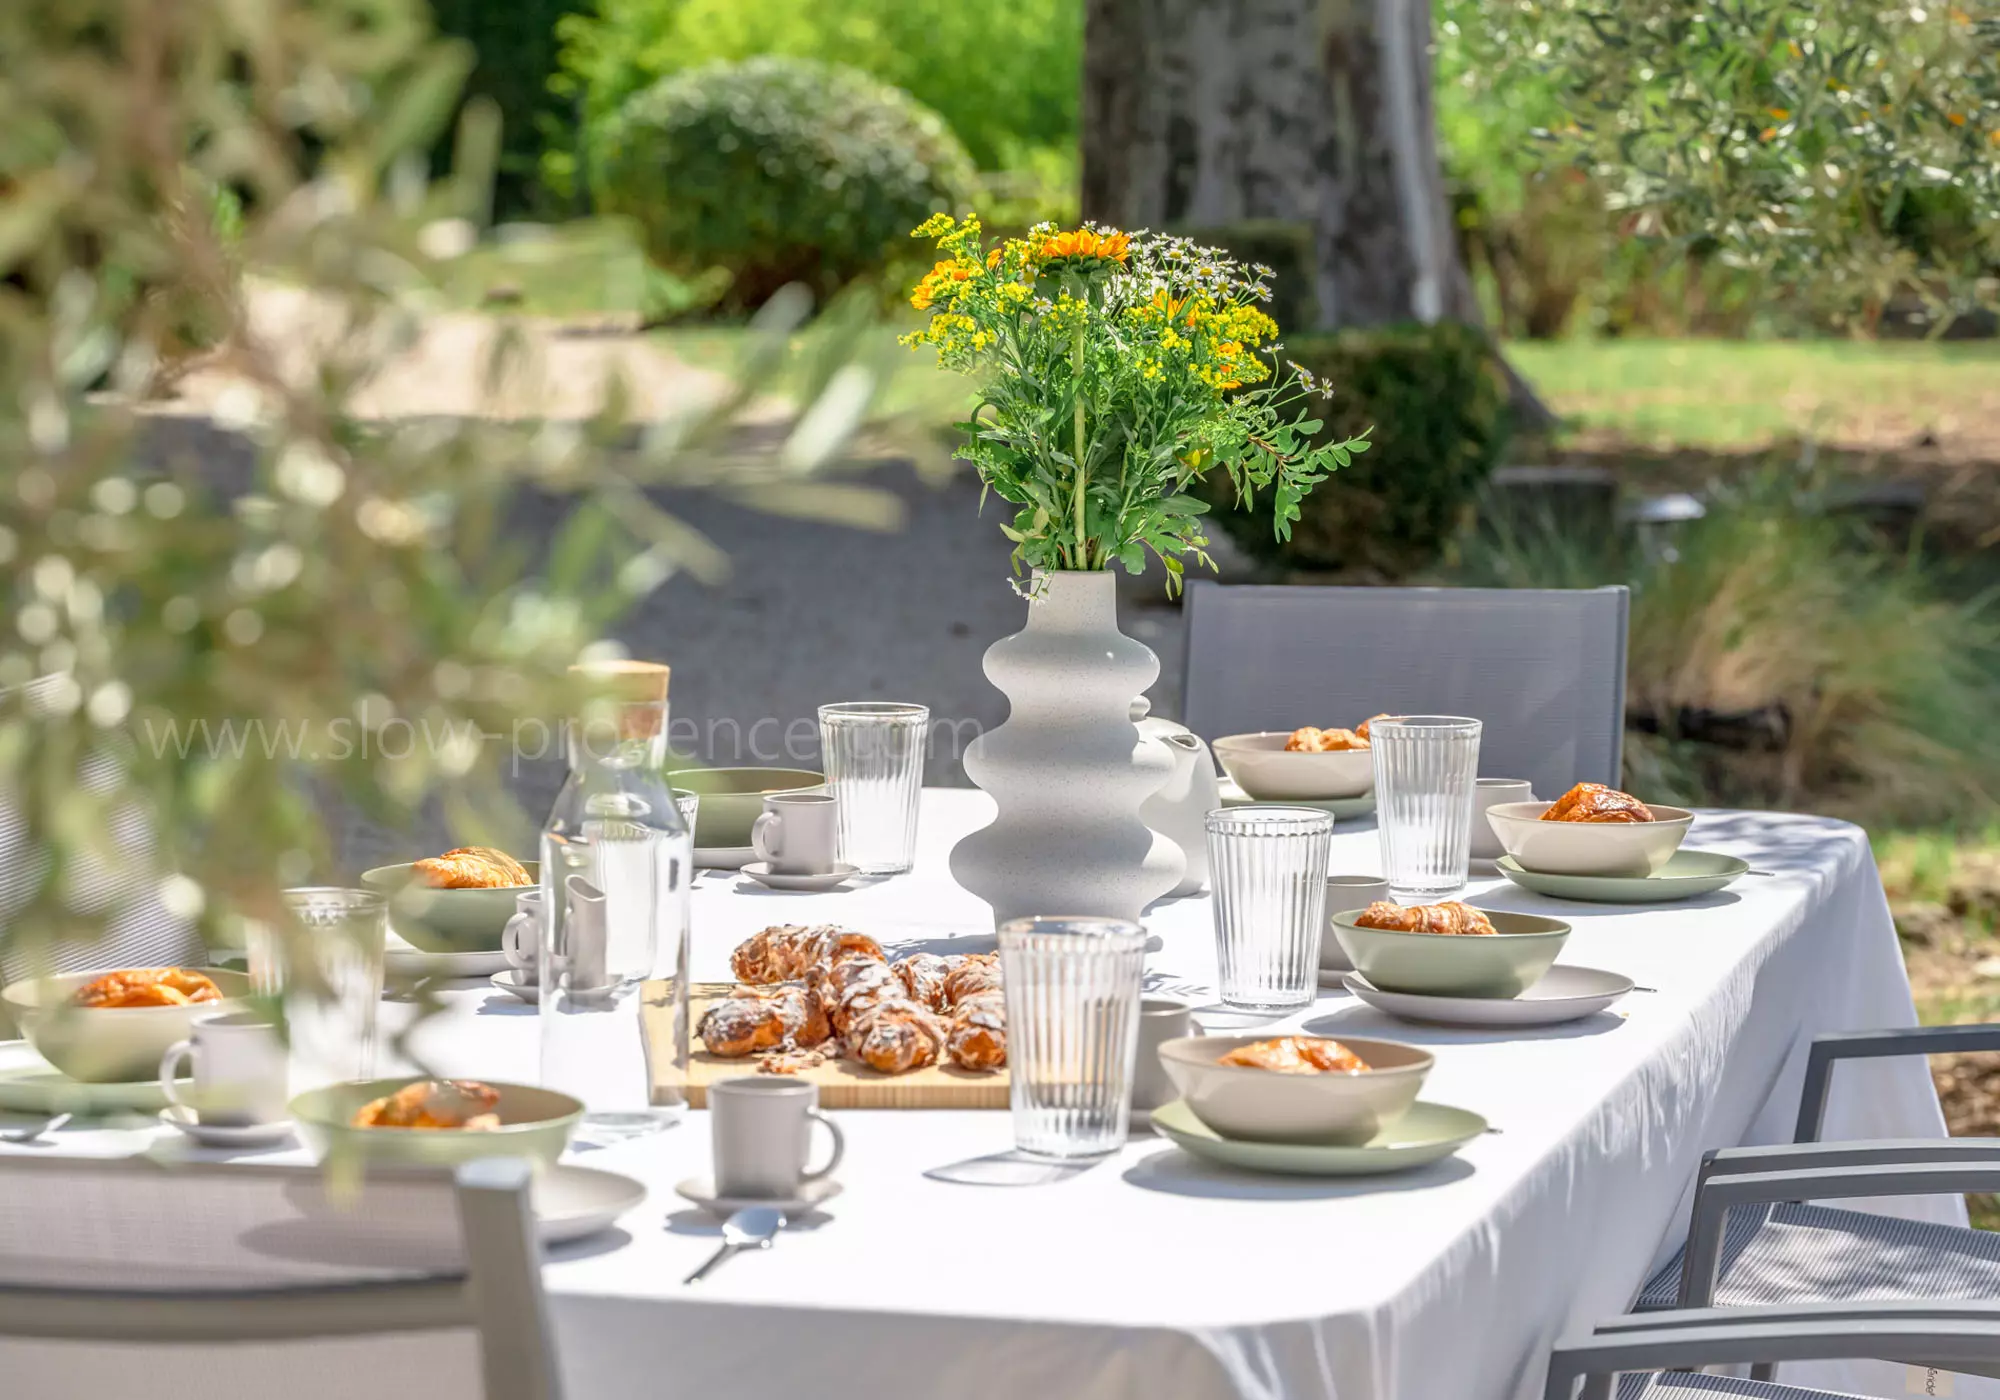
(358, 584)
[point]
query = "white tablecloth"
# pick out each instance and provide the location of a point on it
(1153, 1275)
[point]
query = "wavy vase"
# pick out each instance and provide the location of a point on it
(1069, 770)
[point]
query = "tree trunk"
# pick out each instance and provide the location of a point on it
(1312, 112)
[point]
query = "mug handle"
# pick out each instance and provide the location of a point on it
(762, 831)
(522, 928)
(839, 1145)
(170, 1062)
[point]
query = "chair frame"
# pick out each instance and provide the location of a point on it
(1956, 1336)
(500, 1294)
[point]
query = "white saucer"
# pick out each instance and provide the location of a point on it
(510, 981)
(216, 1135)
(812, 1195)
(761, 872)
(1564, 993)
(572, 1202)
(723, 857)
(1330, 977)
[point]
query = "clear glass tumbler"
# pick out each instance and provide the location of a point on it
(873, 752)
(690, 807)
(1072, 987)
(1425, 766)
(1267, 868)
(330, 1007)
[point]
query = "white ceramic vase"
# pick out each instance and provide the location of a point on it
(1068, 770)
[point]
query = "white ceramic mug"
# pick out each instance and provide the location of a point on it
(1344, 894)
(762, 1126)
(1161, 1018)
(1490, 792)
(240, 1071)
(521, 939)
(797, 833)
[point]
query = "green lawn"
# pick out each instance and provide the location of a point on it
(1738, 394)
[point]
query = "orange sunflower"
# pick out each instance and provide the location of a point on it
(1083, 244)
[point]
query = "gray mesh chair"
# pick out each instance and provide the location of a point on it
(1753, 1240)
(1654, 1357)
(218, 1280)
(1545, 669)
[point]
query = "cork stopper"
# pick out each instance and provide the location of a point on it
(644, 682)
(639, 685)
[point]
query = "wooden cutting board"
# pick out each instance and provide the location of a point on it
(842, 1083)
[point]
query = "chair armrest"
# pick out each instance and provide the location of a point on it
(1799, 1156)
(1716, 1195)
(1963, 1335)
(1873, 1045)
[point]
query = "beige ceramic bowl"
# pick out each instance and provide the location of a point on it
(733, 798)
(1588, 848)
(447, 921)
(107, 1045)
(1266, 772)
(1258, 1105)
(534, 1123)
(1503, 963)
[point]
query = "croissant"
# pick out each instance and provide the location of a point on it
(1594, 802)
(433, 1103)
(1296, 1054)
(147, 986)
(1310, 740)
(471, 868)
(1450, 917)
(1361, 729)
(977, 1038)
(971, 975)
(924, 976)
(753, 1019)
(895, 1035)
(795, 952)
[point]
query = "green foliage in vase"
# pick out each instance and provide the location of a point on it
(778, 170)
(1844, 155)
(1115, 373)
(341, 609)
(1437, 410)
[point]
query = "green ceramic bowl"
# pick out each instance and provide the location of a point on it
(1501, 964)
(104, 1045)
(733, 798)
(446, 921)
(534, 1123)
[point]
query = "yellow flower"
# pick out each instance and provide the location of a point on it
(1783, 114)
(1084, 243)
(1955, 118)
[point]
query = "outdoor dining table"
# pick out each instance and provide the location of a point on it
(949, 1269)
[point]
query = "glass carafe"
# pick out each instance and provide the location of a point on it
(617, 866)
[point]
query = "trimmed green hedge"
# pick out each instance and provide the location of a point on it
(779, 170)
(1438, 408)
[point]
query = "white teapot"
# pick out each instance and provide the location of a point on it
(1177, 810)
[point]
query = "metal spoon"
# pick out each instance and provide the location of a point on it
(750, 1228)
(19, 1136)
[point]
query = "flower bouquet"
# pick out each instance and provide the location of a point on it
(1116, 370)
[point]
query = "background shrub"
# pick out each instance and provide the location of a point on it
(779, 170)
(1005, 78)
(1439, 412)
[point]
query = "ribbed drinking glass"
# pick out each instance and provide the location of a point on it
(1072, 987)
(1425, 766)
(329, 1008)
(1267, 868)
(873, 752)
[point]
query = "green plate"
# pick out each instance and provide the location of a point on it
(1426, 1133)
(1343, 808)
(1685, 875)
(30, 1084)
(534, 1122)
